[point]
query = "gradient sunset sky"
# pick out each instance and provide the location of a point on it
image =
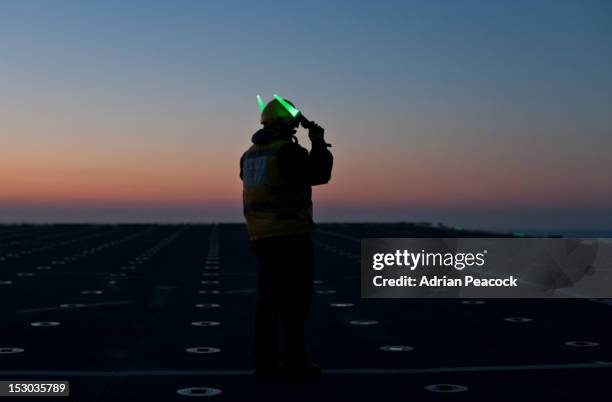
(475, 113)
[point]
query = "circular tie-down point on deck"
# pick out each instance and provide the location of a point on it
(118, 274)
(473, 302)
(317, 282)
(209, 292)
(10, 350)
(214, 282)
(199, 391)
(25, 274)
(341, 304)
(72, 305)
(45, 324)
(210, 274)
(363, 322)
(207, 305)
(91, 292)
(446, 388)
(396, 348)
(518, 319)
(6, 282)
(43, 268)
(211, 268)
(582, 344)
(202, 349)
(205, 323)
(325, 291)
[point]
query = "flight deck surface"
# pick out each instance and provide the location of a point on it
(165, 312)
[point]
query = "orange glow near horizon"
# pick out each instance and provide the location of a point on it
(200, 178)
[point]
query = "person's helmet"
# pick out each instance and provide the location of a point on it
(278, 110)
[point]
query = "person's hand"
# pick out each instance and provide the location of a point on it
(315, 132)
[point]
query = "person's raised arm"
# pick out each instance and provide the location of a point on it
(298, 166)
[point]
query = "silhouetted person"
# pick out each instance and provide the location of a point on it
(277, 175)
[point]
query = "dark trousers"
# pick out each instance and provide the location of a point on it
(284, 293)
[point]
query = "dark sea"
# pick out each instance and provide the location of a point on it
(596, 233)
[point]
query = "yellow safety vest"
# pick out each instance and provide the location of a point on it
(271, 206)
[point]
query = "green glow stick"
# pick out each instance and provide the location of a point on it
(262, 105)
(292, 111)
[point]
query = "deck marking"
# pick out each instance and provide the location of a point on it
(45, 324)
(446, 388)
(396, 348)
(325, 291)
(207, 305)
(202, 349)
(10, 350)
(199, 391)
(91, 292)
(518, 319)
(71, 305)
(341, 304)
(363, 322)
(209, 292)
(365, 371)
(205, 323)
(582, 344)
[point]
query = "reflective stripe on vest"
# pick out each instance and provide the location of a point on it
(271, 206)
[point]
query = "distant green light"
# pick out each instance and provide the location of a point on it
(292, 111)
(458, 228)
(262, 105)
(518, 234)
